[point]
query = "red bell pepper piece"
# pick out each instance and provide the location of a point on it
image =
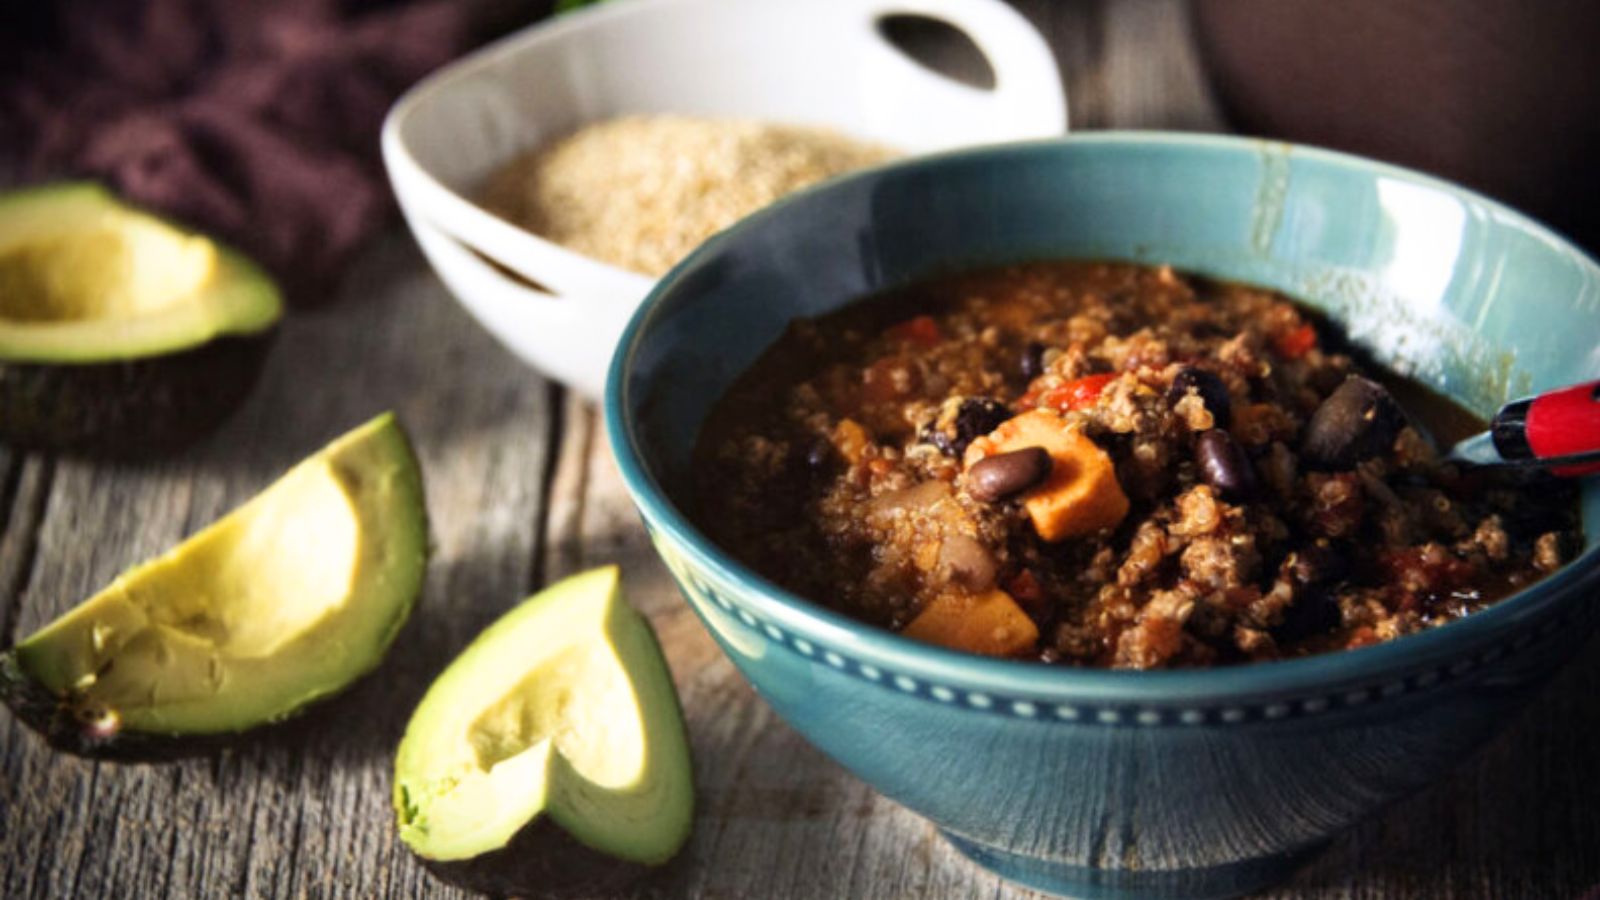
(1080, 393)
(1297, 343)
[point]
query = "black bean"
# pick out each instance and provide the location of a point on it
(1007, 474)
(976, 417)
(1359, 419)
(1224, 465)
(1318, 563)
(1314, 611)
(1213, 393)
(1032, 360)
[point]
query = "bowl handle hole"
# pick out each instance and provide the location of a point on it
(939, 47)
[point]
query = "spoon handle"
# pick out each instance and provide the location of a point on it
(1550, 426)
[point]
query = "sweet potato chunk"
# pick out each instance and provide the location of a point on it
(990, 623)
(1081, 496)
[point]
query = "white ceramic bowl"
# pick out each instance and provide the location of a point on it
(818, 62)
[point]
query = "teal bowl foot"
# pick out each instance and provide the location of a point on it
(1089, 883)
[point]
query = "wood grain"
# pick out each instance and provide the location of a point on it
(521, 490)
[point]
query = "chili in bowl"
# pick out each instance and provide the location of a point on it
(1181, 752)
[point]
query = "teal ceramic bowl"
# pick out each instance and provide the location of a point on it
(1105, 783)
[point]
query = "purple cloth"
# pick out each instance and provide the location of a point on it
(255, 120)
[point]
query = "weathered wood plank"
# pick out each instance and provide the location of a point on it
(1518, 820)
(24, 490)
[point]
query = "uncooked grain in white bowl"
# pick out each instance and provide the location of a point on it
(641, 192)
(823, 63)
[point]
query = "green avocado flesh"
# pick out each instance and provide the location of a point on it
(561, 712)
(85, 278)
(121, 334)
(285, 600)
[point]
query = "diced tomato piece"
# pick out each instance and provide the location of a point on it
(1297, 343)
(1025, 589)
(922, 330)
(1079, 393)
(889, 378)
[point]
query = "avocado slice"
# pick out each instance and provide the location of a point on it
(120, 333)
(550, 757)
(282, 602)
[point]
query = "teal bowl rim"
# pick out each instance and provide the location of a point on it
(1025, 679)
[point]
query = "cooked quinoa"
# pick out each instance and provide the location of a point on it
(640, 192)
(1111, 465)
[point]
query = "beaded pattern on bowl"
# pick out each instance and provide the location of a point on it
(1123, 715)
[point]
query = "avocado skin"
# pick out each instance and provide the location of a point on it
(133, 408)
(49, 716)
(53, 720)
(542, 861)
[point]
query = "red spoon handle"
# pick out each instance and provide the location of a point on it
(1562, 422)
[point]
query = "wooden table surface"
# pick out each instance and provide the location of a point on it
(521, 490)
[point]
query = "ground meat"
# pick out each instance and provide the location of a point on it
(1198, 511)
(1547, 555)
(1192, 410)
(1492, 540)
(1337, 504)
(1145, 554)
(1219, 563)
(1158, 634)
(1254, 641)
(1412, 450)
(838, 466)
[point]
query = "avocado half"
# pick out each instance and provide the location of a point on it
(550, 757)
(121, 333)
(284, 601)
